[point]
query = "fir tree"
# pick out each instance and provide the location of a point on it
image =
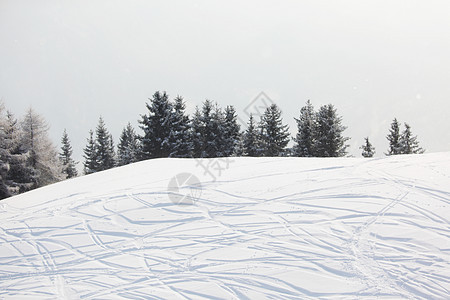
(273, 134)
(239, 149)
(90, 155)
(196, 133)
(20, 177)
(251, 138)
(231, 131)
(409, 143)
(328, 134)
(305, 139)
(128, 147)
(207, 130)
(179, 139)
(395, 145)
(5, 156)
(217, 145)
(104, 147)
(156, 126)
(65, 157)
(367, 149)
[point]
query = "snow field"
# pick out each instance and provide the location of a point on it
(280, 228)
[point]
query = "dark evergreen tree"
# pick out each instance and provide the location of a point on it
(20, 177)
(104, 147)
(128, 147)
(180, 143)
(409, 143)
(90, 155)
(231, 131)
(367, 149)
(328, 134)
(208, 130)
(4, 191)
(395, 145)
(68, 164)
(156, 126)
(251, 139)
(196, 134)
(217, 146)
(274, 135)
(5, 156)
(305, 139)
(239, 150)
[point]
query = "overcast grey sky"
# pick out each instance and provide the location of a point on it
(73, 61)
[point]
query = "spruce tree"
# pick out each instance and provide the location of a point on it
(231, 131)
(274, 135)
(104, 147)
(395, 145)
(20, 176)
(90, 155)
(367, 149)
(239, 149)
(409, 143)
(305, 139)
(218, 145)
(5, 156)
(128, 147)
(156, 126)
(65, 156)
(251, 136)
(208, 132)
(180, 143)
(329, 138)
(196, 134)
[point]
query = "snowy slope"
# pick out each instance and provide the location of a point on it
(260, 228)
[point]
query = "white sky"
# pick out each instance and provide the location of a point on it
(73, 61)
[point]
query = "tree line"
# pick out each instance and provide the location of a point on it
(29, 160)
(213, 131)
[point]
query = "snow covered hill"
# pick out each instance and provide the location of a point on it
(257, 228)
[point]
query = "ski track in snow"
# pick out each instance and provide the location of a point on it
(271, 228)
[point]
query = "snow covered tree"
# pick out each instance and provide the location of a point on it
(305, 139)
(104, 147)
(251, 138)
(367, 149)
(20, 176)
(5, 156)
(180, 143)
(128, 147)
(196, 134)
(328, 134)
(274, 135)
(42, 154)
(206, 130)
(239, 149)
(209, 129)
(231, 131)
(65, 156)
(217, 145)
(395, 145)
(156, 126)
(409, 143)
(208, 134)
(90, 155)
